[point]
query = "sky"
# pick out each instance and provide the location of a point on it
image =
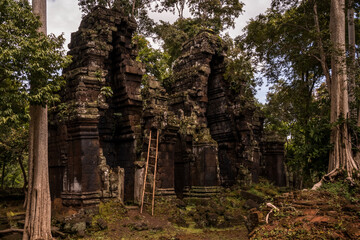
(64, 16)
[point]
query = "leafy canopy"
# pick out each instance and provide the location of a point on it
(284, 42)
(30, 72)
(27, 57)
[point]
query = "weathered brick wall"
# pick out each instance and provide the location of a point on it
(208, 135)
(99, 131)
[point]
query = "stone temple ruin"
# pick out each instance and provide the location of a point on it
(98, 141)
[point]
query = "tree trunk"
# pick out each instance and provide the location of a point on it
(23, 172)
(340, 155)
(354, 110)
(133, 8)
(38, 205)
(352, 60)
(3, 175)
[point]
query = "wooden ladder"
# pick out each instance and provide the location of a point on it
(150, 170)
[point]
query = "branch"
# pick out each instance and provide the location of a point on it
(133, 9)
(272, 209)
(10, 230)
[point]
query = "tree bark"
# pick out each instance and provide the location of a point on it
(133, 8)
(23, 172)
(355, 111)
(352, 59)
(340, 155)
(3, 175)
(38, 204)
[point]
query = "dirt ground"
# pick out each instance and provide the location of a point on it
(311, 215)
(333, 212)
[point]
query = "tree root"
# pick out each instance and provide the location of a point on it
(56, 231)
(10, 230)
(272, 209)
(330, 177)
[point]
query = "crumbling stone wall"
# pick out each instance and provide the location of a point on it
(208, 135)
(93, 133)
(221, 119)
(189, 100)
(212, 136)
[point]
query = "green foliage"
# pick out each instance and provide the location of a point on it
(205, 15)
(30, 65)
(87, 5)
(341, 188)
(174, 35)
(13, 148)
(239, 70)
(264, 189)
(284, 41)
(111, 211)
(141, 10)
(297, 113)
(210, 14)
(155, 61)
(27, 57)
(106, 91)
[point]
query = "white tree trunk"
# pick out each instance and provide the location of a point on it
(38, 205)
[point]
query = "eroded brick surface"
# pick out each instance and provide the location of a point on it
(209, 136)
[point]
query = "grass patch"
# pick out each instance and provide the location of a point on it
(343, 189)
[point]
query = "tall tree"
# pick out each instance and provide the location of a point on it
(340, 155)
(38, 205)
(291, 42)
(27, 56)
(352, 69)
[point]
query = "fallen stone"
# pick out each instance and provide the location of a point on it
(310, 211)
(249, 204)
(322, 219)
(102, 224)
(253, 220)
(79, 227)
(255, 198)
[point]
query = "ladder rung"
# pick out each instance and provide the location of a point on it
(150, 183)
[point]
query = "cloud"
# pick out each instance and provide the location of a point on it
(252, 8)
(63, 17)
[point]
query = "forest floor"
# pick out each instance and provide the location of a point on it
(333, 212)
(218, 218)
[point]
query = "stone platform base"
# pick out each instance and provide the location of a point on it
(81, 198)
(165, 192)
(201, 191)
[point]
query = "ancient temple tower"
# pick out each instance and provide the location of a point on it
(95, 131)
(208, 136)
